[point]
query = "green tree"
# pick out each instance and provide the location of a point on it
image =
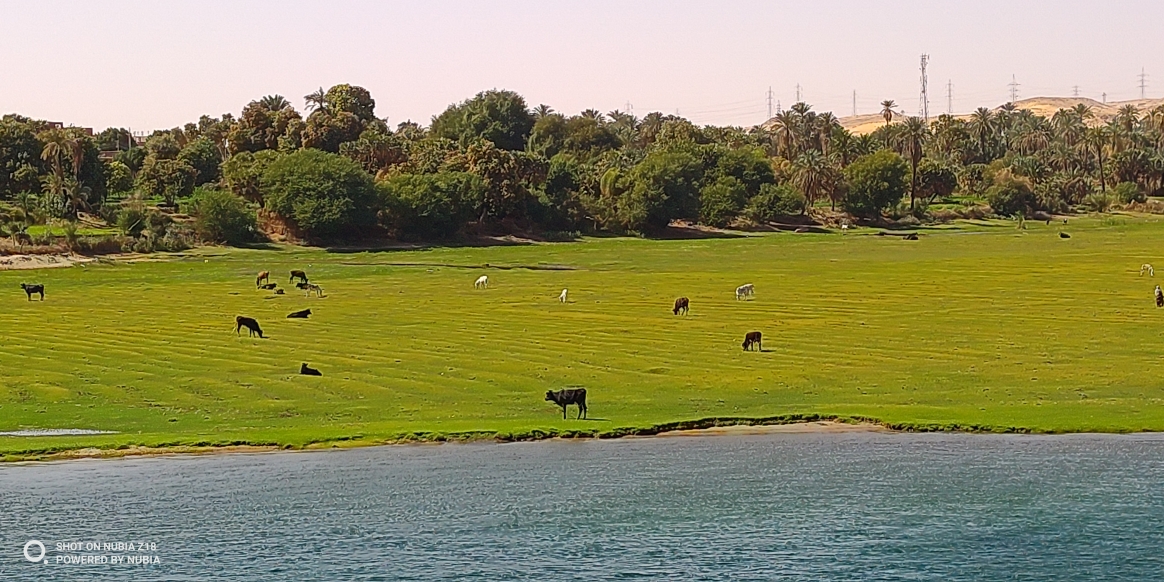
(118, 177)
(935, 179)
(203, 156)
(243, 173)
(721, 201)
(166, 179)
(875, 182)
(774, 200)
(914, 134)
(1010, 195)
(222, 217)
(497, 116)
(324, 195)
(430, 205)
(661, 188)
(21, 163)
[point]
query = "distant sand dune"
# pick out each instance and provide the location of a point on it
(1044, 106)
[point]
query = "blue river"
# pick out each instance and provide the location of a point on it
(808, 506)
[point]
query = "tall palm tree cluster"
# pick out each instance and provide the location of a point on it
(545, 170)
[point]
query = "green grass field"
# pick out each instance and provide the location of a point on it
(974, 327)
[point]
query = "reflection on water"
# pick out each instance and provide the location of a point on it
(755, 507)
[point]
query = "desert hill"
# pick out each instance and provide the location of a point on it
(1044, 106)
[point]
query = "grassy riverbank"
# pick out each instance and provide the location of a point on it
(972, 327)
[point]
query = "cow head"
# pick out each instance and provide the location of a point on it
(550, 395)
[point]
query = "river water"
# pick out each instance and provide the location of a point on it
(850, 506)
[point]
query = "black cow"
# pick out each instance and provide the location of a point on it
(298, 275)
(681, 305)
(302, 314)
(31, 289)
(1159, 297)
(911, 236)
(268, 286)
(1064, 235)
(249, 323)
(567, 397)
(753, 339)
(306, 371)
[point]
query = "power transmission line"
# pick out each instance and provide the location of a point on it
(950, 97)
(1143, 83)
(1014, 85)
(798, 93)
(1075, 91)
(769, 102)
(925, 96)
(1105, 98)
(854, 103)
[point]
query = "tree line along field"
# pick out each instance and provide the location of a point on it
(973, 327)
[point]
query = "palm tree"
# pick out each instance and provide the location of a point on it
(592, 114)
(913, 138)
(56, 145)
(316, 100)
(1097, 138)
(274, 103)
(982, 128)
(542, 111)
(810, 176)
(786, 126)
(887, 110)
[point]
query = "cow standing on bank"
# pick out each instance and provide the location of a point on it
(567, 397)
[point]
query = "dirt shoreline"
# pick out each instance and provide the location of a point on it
(808, 427)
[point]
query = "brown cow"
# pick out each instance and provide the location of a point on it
(298, 274)
(753, 339)
(249, 323)
(567, 397)
(264, 277)
(681, 304)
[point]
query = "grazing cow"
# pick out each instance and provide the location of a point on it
(306, 371)
(249, 323)
(681, 304)
(562, 297)
(567, 397)
(1064, 235)
(264, 277)
(298, 275)
(1148, 268)
(268, 286)
(482, 282)
(745, 291)
(752, 338)
(31, 289)
(911, 236)
(313, 287)
(301, 314)
(1159, 297)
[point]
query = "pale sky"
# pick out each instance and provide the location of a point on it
(158, 64)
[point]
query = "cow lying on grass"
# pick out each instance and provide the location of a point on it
(302, 314)
(306, 371)
(32, 289)
(268, 286)
(567, 397)
(249, 323)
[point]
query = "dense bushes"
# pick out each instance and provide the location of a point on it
(324, 194)
(876, 182)
(222, 217)
(774, 200)
(430, 205)
(1010, 195)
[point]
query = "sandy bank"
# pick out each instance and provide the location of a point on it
(823, 426)
(14, 262)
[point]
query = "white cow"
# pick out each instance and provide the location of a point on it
(844, 228)
(1148, 268)
(562, 297)
(745, 291)
(482, 282)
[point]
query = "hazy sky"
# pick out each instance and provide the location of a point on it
(151, 65)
